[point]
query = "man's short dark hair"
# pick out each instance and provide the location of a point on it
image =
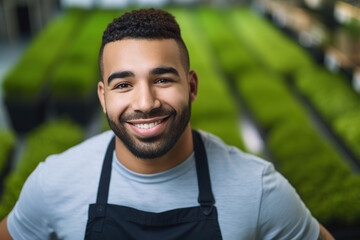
(144, 24)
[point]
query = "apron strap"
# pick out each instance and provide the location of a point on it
(206, 197)
(103, 189)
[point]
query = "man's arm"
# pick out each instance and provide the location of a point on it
(4, 233)
(324, 234)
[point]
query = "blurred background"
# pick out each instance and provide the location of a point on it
(278, 78)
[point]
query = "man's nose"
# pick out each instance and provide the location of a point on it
(145, 99)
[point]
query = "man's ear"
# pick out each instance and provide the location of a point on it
(193, 85)
(101, 95)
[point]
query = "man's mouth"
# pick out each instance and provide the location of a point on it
(148, 125)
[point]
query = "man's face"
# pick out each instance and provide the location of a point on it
(146, 94)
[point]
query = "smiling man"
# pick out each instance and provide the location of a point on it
(146, 94)
(152, 176)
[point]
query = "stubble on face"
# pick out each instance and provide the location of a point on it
(154, 146)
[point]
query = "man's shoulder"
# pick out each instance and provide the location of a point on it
(88, 151)
(218, 150)
(93, 144)
(79, 167)
(229, 165)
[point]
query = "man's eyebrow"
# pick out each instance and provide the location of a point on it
(124, 74)
(164, 70)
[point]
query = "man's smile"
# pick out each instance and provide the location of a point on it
(148, 127)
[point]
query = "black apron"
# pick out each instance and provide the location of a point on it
(108, 221)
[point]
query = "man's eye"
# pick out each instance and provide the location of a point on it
(123, 85)
(163, 80)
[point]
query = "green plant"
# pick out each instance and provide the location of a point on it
(232, 55)
(268, 97)
(73, 81)
(330, 93)
(348, 127)
(336, 102)
(21, 87)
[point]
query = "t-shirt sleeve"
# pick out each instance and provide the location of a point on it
(282, 214)
(28, 219)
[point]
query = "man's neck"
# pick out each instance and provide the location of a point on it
(179, 153)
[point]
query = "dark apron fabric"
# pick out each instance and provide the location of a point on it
(108, 221)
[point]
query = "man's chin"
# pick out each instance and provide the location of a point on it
(148, 150)
(150, 146)
(150, 139)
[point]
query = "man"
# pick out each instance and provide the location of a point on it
(156, 178)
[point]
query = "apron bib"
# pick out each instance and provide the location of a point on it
(108, 221)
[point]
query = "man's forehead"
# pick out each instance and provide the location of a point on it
(126, 43)
(136, 52)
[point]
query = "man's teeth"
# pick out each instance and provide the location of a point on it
(148, 125)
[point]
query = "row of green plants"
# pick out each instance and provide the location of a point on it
(330, 93)
(49, 138)
(321, 177)
(336, 101)
(323, 180)
(233, 57)
(73, 81)
(26, 85)
(76, 74)
(339, 110)
(276, 52)
(348, 126)
(214, 110)
(26, 81)
(7, 143)
(216, 22)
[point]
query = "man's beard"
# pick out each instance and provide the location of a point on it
(156, 146)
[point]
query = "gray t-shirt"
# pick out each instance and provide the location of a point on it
(253, 200)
